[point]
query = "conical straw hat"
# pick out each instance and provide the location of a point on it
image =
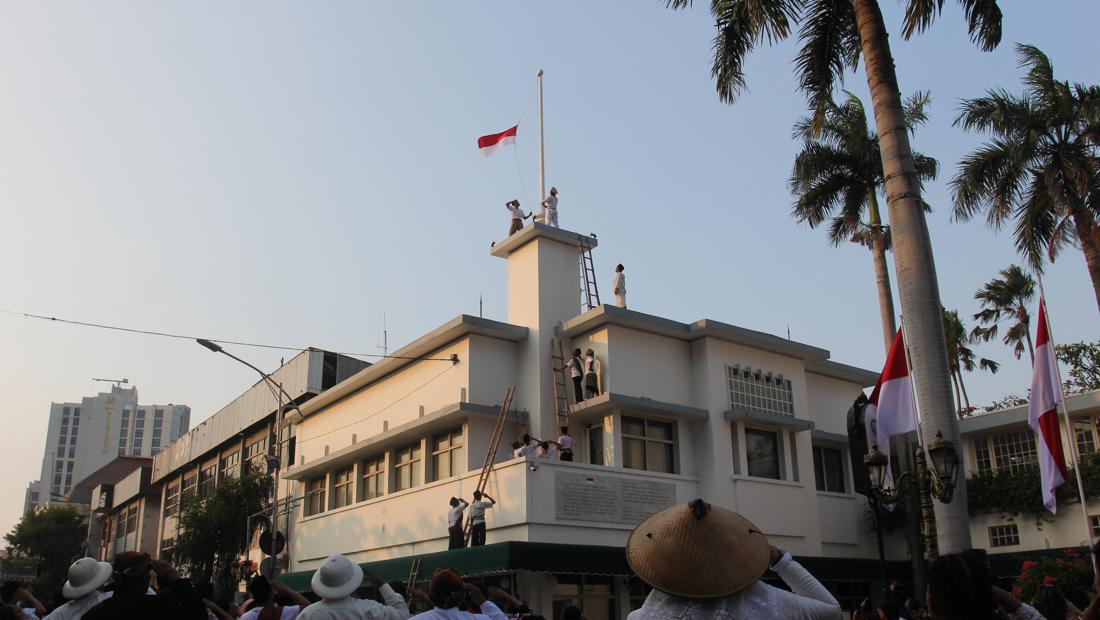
(696, 550)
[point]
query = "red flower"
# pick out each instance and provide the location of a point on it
(1049, 581)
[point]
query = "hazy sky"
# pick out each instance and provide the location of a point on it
(287, 172)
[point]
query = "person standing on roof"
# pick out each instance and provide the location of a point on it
(477, 517)
(618, 286)
(454, 523)
(574, 365)
(550, 208)
(591, 374)
(517, 216)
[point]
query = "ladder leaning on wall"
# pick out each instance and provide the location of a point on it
(490, 455)
(588, 275)
(561, 386)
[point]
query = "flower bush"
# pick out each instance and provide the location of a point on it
(1070, 573)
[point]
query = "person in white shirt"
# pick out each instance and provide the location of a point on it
(454, 524)
(263, 598)
(618, 286)
(591, 374)
(574, 364)
(706, 562)
(517, 216)
(548, 450)
(566, 443)
(447, 591)
(22, 603)
(477, 517)
(334, 582)
(550, 208)
(86, 577)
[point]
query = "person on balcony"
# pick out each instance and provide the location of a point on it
(454, 523)
(566, 443)
(477, 517)
(591, 374)
(336, 580)
(705, 561)
(548, 450)
(574, 364)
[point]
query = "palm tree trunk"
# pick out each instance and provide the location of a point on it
(882, 273)
(1089, 236)
(918, 287)
(955, 381)
(1030, 349)
(962, 386)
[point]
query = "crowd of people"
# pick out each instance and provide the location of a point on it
(702, 562)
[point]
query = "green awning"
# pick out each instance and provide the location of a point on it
(495, 558)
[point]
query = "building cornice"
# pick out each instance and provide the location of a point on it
(1078, 403)
(540, 231)
(601, 405)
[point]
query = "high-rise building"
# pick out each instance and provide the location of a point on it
(30, 500)
(85, 436)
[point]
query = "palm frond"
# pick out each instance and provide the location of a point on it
(830, 45)
(1039, 78)
(914, 109)
(993, 177)
(741, 25)
(919, 15)
(983, 18)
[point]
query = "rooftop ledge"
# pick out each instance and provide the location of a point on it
(771, 419)
(601, 405)
(540, 231)
(452, 330)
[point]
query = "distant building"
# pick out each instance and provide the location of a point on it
(30, 500)
(83, 437)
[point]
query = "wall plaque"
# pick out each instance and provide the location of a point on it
(610, 499)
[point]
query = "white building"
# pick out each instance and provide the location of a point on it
(30, 498)
(743, 419)
(83, 437)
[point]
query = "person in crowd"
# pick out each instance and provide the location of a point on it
(566, 443)
(481, 503)
(335, 581)
(591, 374)
(264, 606)
(530, 445)
(571, 612)
(454, 524)
(960, 587)
(177, 599)
(548, 450)
(84, 589)
(517, 216)
(550, 208)
(21, 601)
(618, 286)
(448, 591)
(514, 608)
(519, 451)
(706, 562)
(574, 365)
(864, 611)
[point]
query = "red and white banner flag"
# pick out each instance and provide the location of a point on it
(490, 143)
(891, 411)
(1042, 413)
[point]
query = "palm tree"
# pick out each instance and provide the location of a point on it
(1007, 298)
(1040, 170)
(960, 357)
(837, 178)
(835, 35)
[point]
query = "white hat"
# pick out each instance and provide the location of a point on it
(338, 577)
(85, 575)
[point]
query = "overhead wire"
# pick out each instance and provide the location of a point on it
(148, 332)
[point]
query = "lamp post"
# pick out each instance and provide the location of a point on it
(277, 461)
(938, 481)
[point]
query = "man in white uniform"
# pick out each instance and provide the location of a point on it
(618, 286)
(86, 577)
(517, 216)
(477, 517)
(334, 582)
(566, 443)
(454, 523)
(550, 208)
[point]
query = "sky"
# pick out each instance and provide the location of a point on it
(287, 173)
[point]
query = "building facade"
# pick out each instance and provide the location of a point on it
(30, 498)
(743, 419)
(83, 437)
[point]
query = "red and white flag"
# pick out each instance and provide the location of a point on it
(1042, 413)
(891, 411)
(490, 143)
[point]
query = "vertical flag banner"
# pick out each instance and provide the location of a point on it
(891, 411)
(490, 143)
(1042, 413)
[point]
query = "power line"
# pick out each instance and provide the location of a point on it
(147, 332)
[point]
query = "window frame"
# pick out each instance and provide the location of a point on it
(314, 503)
(818, 452)
(342, 491)
(1004, 535)
(414, 464)
(172, 499)
(208, 480)
(372, 472)
(646, 440)
(454, 454)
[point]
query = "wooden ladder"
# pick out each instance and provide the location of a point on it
(414, 575)
(588, 275)
(561, 386)
(490, 455)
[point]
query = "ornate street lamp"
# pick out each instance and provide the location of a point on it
(945, 467)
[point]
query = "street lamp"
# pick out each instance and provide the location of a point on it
(275, 462)
(945, 467)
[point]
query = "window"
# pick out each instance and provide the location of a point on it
(166, 546)
(981, 455)
(208, 478)
(648, 445)
(315, 496)
(447, 454)
(762, 450)
(1004, 535)
(131, 519)
(120, 524)
(230, 465)
(1014, 451)
(829, 469)
(1082, 431)
(595, 444)
(1094, 524)
(343, 487)
(124, 432)
(172, 500)
(188, 485)
(759, 390)
(255, 449)
(374, 471)
(406, 471)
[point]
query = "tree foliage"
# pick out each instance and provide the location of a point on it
(1006, 299)
(214, 529)
(55, 537)
(1083, 361)
(960, 357)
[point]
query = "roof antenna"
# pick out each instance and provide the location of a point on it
(385, 346)
(788, 331)
(480, 306)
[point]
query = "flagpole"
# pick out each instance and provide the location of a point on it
(542, 149)
(1069, 424)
